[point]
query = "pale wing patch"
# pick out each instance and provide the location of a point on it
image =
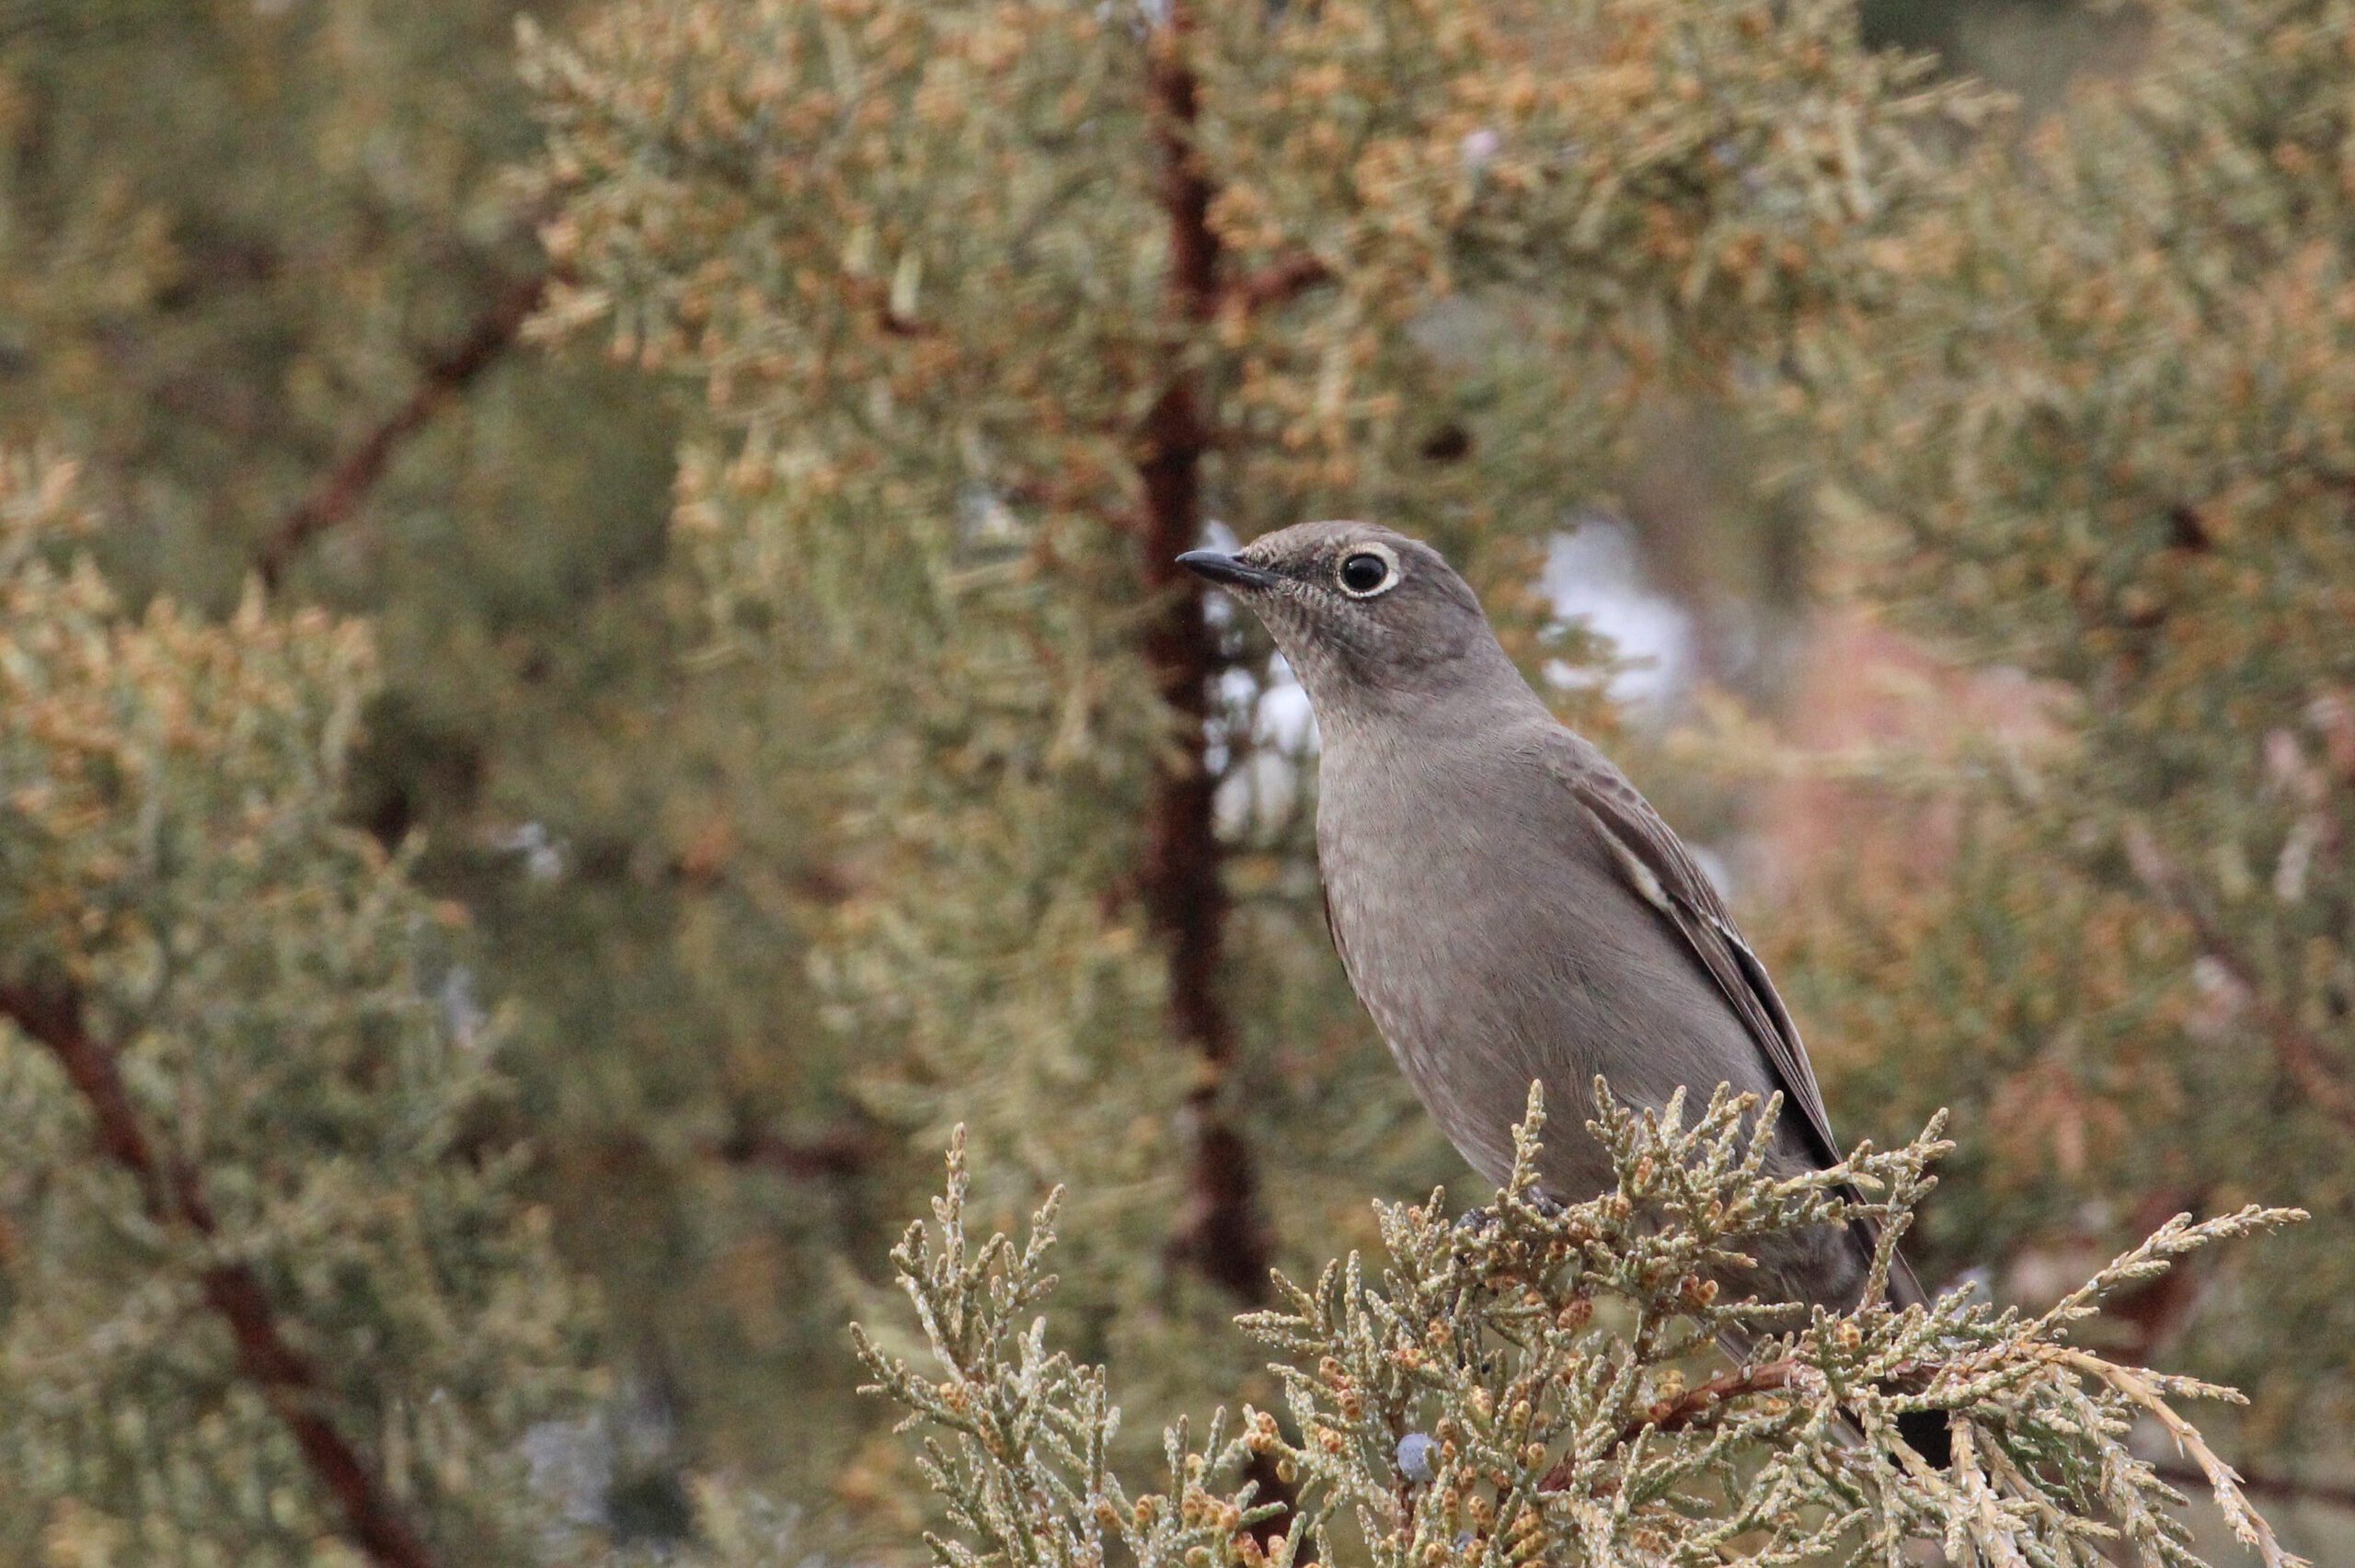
(1639, 875)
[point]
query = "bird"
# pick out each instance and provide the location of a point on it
(1508, 907)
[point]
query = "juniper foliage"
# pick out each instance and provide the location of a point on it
(2099, 440)
(992, 309)
(269, 1290)
(263, 272)
(1519, 1392)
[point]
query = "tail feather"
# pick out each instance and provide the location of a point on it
(1925, 1431)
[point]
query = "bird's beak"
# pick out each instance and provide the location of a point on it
(1222, 567)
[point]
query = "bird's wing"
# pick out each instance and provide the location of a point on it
(1655, 864)
(1332, 933)
(1661, 871)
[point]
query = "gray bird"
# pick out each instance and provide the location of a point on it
(1508, 906)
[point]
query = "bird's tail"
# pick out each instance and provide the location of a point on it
(1925, 1431)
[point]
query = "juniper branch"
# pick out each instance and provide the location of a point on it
(1538, 1361)
(173, 1194)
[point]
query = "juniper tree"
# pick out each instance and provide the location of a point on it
(2102, 439)
(262, 269)
(1520, 1392)
(993, 309)
(269, 1292)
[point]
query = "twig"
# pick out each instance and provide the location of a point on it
(1675, 1415)
(2298, 1052)
(839, 1152)
(1693, 1405)
(346, 485)
(171, 1193)
(1284, 279)
(2288, 1489)
(2224, 1481)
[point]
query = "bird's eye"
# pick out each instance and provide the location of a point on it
(1365, 573)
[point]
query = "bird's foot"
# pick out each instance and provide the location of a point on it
(1477, 1222)
(1480, 1221)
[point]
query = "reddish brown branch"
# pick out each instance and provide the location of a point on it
(839, 1152)
(347, 485)
(1223, 1233)
(2299, 1055)
(172, 1194)
(1284, 279)
(1692, 1405)
(1675, 1415)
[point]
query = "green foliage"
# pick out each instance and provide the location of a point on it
(236, 240)
(259, 1182)
(2101, 440)
(1540, 1358)
(232, 231)
(800, 725)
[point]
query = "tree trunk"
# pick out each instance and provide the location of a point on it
(1222, 1234)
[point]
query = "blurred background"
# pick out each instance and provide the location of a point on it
(590, 663)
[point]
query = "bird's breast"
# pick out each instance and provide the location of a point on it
(1464, 933)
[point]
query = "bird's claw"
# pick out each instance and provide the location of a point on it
(1480, 1221)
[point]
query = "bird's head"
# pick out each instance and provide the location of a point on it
(1370, 620)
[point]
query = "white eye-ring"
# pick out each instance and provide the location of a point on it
(1368, 569)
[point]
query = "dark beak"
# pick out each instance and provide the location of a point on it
(1222, 567)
